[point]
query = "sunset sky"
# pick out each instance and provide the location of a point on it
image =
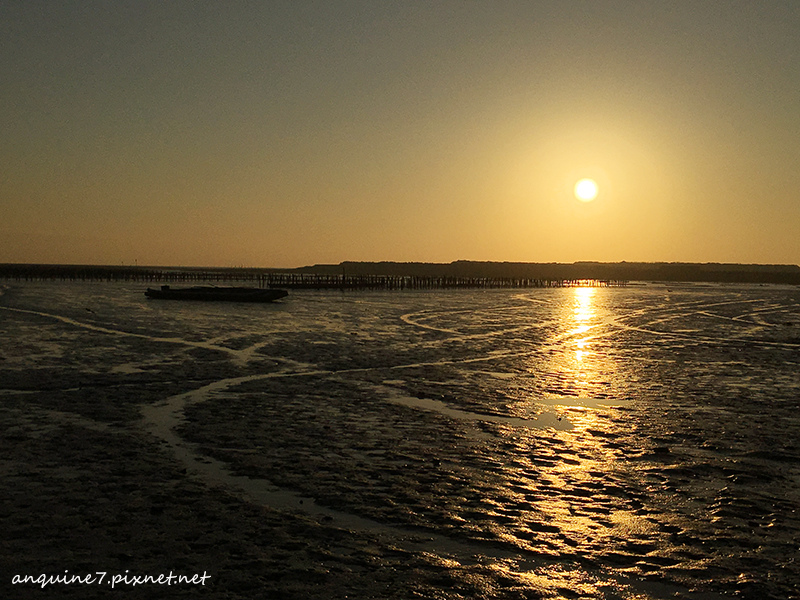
(288, 133)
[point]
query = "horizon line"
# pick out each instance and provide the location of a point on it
(399, 262)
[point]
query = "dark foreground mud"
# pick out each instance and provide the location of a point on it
(560, 443)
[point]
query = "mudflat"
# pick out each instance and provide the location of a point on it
(553, 443)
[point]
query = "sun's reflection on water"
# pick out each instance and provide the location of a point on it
(572, 479)
(583, 307)
(579, 364)
(583, 312)
(583, 361)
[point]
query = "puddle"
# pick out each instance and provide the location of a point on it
(543, 421)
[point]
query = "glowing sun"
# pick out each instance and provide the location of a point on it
(586, 190)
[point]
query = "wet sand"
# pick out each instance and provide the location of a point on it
(383, 460)
(91, 499)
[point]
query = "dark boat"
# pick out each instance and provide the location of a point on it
(212, 293)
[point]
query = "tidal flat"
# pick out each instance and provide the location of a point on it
(598, 443)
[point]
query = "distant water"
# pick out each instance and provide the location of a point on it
(605, 441)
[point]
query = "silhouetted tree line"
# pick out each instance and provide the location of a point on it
(623, 271)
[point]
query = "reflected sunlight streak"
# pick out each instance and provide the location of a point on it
(582, 368)
(579, 374)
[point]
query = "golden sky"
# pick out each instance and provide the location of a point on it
(292, 133)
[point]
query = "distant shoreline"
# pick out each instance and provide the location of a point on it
(458, 273)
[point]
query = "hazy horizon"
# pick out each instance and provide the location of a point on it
(289, 134)
(198, 267)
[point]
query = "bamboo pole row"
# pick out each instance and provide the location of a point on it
(264, 278)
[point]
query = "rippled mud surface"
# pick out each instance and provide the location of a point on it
(637, 442)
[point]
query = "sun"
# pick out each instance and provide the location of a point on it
(586, 190)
